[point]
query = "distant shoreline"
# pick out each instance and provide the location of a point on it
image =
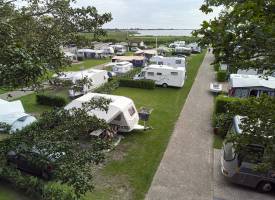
(149, 29)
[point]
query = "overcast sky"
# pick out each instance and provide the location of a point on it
(151, 13)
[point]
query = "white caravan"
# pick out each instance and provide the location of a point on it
(177, 44)
(170, 61)
(121, 113)
(183, 50)
(243, 86)
(163, 75)
(13, 114)
(119, 49)
(120, 67)
(98, 78)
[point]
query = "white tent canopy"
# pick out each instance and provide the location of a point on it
(240, 81)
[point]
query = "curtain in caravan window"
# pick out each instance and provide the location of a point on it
(241, 92)
(150, 73)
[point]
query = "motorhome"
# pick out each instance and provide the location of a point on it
(121, 112)
(13, 114)
(243, 86)
(163, 75)
(97, 77)
(241, 168)
(170, 61)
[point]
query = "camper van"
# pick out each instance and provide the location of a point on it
(240, 169)
(121, 112)
(163, 75)
(170, 61)
(243, 86)
(98, 78)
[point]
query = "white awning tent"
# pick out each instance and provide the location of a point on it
(244, 81)
(13, 114)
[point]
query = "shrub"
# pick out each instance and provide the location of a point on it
(221, 76)
(223, 122)
(223, 102)
(216, 67)
(108, 87)
(50, 100)
(58, 191)
(29, 184)
(145, 84)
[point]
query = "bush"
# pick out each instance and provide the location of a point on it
(50, 100)
(108, 87)
(221, 76)
(30, 185)
(58, 191)
(145, 84)
(223, 122)
(216, 67)
(223, 102)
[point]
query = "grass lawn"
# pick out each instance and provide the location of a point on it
(132, 165)
(30, 105)
(2, 91)
(87, 64)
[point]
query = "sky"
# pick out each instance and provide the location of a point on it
(151, 13)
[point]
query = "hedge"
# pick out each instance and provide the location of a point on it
(145, 84)
(221, 76)
(50, 100)
(216, 67)
(36, 187)
(108, 87)
(222, 103)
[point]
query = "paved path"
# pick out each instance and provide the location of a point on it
(185, 172)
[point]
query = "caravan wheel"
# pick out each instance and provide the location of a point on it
(164, 85)
(264, 187)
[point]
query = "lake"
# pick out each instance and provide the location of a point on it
(164, 32)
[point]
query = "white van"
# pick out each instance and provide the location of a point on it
(170, 61)
(163, 75)
(98, 78)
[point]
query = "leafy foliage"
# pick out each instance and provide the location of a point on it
(221, 76)
(258, 127)
(31, 37)
(243, 35)
(50, 100)
(64, 137)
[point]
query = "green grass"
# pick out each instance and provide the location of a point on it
(30, 105)
(143, 150)
(218, 142)
(87, 64)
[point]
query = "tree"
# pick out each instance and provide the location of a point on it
(64, 136)
(31, 37)
(258, 127)
(243, 36)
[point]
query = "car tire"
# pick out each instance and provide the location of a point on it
(265, 187)
(164, 85)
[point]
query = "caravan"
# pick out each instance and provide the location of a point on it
(97, 77)
(121, 113)
(243, 86)
(120, 67)
(13, 114)
(170, 61)
(163, 75)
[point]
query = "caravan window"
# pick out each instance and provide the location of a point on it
(132, 111)
(253, 93)
(159, 74)
(118, 118)
(174, 73)
(160, 63)
(150, 73)
(178, 62)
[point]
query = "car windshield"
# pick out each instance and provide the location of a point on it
(229, 152)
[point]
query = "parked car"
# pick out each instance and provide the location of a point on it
(33, 163)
